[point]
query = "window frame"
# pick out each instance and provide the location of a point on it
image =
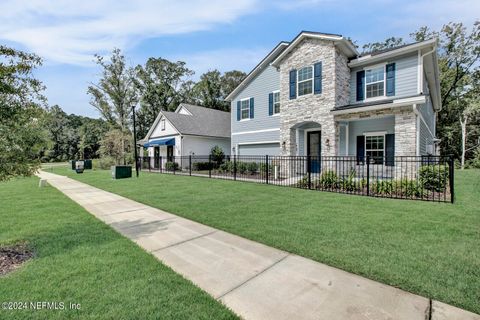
(162, 124)
(377, 66)
(375, 134)
(241, 109)
(278, 102)
(311, 80)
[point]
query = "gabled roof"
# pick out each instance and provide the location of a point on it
(343, 43)
(202, 121)
(258, 68)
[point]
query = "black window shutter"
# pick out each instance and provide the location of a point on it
(317, 83)
(293, 84)
(390, 79)
(360, 85)
(238, 110)
(389, 149)
(270, 104)
(360, 149)
(252, 112)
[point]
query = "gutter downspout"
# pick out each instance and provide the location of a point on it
(421, 56)
(417, 118)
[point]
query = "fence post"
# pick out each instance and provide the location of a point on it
(451, 178)
(266, 169)
(309, 169)
(210, 166)
(368, 175)
(159, 163)
(234, 167)
(190, 164)
(174, 164)
(149, 165)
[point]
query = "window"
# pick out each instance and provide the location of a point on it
(375, 82)
(245, 109)
(162, 125)
(276, 102)
(374, 148)
(305, 81)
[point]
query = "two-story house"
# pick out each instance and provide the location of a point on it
(318, 96)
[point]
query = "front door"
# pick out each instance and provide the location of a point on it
(169, 153)
(156, 157)
(314, 150)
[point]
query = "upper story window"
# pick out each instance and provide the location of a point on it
(305, 81)
(162, 125)
(276, 102)
(245, 109)
(375, 82)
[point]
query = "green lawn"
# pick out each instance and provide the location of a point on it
(432, 249)
(81, 260)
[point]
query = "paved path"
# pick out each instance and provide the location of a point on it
(254, 280)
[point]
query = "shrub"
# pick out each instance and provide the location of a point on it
(349, 183)
(217, 156)
(226, 167)
(263, 168)
(408, 188)
(384, 187)
(328, 180)
(434, 177)
(303, 183)
(104, 163)
(172, 166)
(241, 167)
(202, 166)
(252, 167)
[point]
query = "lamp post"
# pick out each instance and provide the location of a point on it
(135, 140)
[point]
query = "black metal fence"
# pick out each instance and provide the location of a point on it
(427, 178)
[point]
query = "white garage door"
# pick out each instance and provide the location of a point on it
(272, 149)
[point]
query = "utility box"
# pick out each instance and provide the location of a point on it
(121, 172)
(73, 164)
(79, 166)
(88, 164)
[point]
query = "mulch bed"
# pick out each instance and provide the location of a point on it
(12, 257)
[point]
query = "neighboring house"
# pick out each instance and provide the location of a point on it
(190, 130)
(318, 96)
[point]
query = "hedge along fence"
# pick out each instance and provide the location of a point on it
(427, 178)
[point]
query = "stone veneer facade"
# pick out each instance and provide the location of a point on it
(313, 107)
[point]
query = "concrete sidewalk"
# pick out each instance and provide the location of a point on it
(254, 280)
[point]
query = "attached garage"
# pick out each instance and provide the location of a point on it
(260, 149)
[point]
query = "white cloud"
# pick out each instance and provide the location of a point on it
(71, 31)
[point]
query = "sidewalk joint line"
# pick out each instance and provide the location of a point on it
(251, 278)
(143, 224)
(181, 242)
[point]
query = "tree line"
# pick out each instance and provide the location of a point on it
(31, 131)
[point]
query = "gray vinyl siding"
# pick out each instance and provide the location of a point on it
(255, 138)
(359, 127)
(425, 139)
(406, 71)
(426, 110)
(342, 140)
(265, 82)
(271, 149)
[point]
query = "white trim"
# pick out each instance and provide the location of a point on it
(420, 72)
(375, 133)
(297, 141)
(305, 131)
(347, 129)
(273, 97)
(257, 142)
(395, 104)
(378, 57)
(255, 131)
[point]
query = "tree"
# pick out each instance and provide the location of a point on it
(91, 133)
(114, 94)
(114, 144)
(160, 84)
(22, 137)
(391, 42)
(213, 88)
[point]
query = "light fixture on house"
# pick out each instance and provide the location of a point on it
(284, 147)
(327, 142)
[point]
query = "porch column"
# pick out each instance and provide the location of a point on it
(405, 134)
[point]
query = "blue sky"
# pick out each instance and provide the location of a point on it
(206, 34)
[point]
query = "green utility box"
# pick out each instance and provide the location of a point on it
(121, 172)
(88, 164)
